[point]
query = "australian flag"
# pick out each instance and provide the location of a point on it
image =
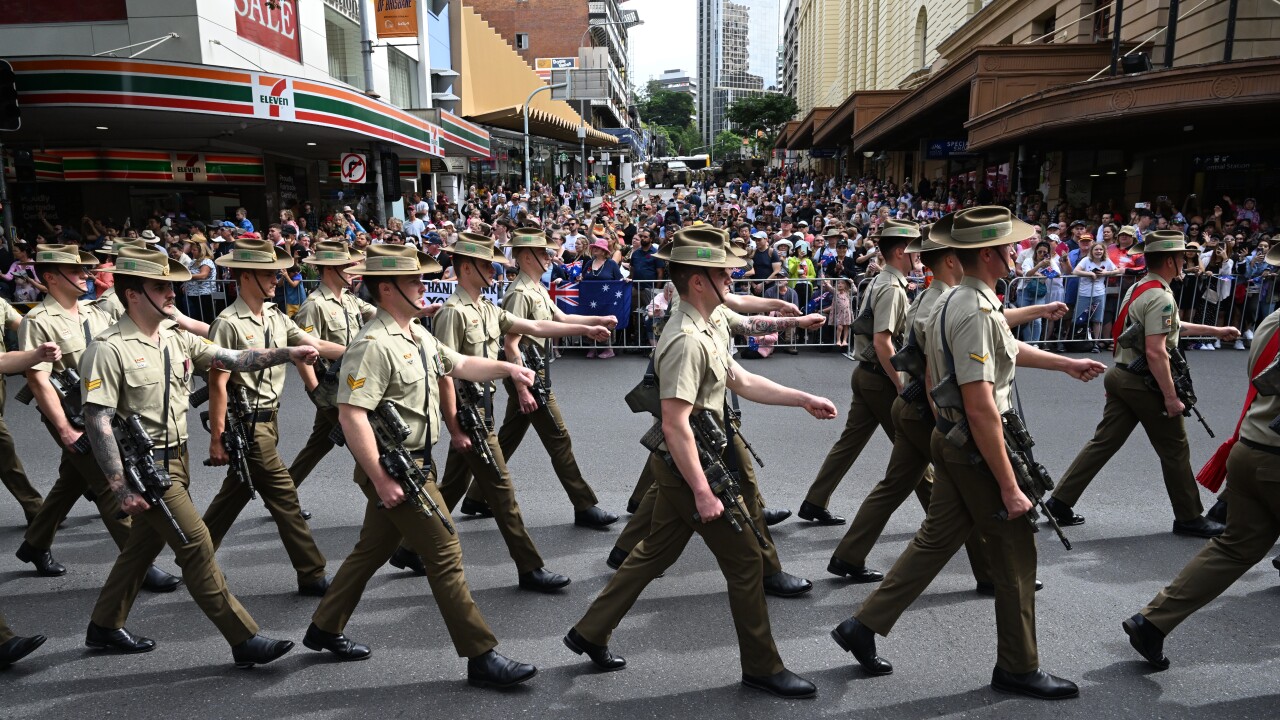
(605, 297)
(574, 269)
(565, 296)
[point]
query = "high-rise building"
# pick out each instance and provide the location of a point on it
(788, 54)
(679, 81)
(737, 56)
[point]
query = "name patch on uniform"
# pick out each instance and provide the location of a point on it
(93, 385)
(354, 382)
(980, 358)
(140, 362)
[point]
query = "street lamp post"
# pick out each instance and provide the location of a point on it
(528, 181)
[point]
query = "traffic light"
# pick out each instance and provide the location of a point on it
(10, 115)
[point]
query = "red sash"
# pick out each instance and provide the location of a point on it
(1117, 327)
(1215, 471)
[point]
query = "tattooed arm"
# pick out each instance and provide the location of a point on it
(757, 325)
(97, 425)
(260, 359)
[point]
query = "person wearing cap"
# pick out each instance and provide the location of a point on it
(253, 322)
(527, 298)
(968, 342)
(875, 382)
(144, 364)
(72, 324)
(1130, 402)
(335, 314)
(471, 325)
(909, 461)
(1251, 459)
(393, 358)
(694, 372)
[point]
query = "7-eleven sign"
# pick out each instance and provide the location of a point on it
(272, 97)
(189, 168)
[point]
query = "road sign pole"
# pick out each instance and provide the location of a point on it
(4, 199)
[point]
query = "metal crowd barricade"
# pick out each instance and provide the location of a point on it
(1204, 299)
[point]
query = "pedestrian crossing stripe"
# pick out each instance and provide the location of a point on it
(980, 358)
(93, 385)
(355, 383)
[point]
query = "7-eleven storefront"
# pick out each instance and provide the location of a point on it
(115, 138)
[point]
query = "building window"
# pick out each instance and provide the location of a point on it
(922, 37)
(343, 39)
(522, 41)
(403, 71)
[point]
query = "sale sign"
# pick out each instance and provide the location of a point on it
(272, 24)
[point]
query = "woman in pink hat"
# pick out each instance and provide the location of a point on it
(601, 267)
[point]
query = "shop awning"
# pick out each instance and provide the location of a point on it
(114, 102)
(855, 113)
(496, 82)
(1157, 108)
(786, 135)
(802, 137)
(984, 78)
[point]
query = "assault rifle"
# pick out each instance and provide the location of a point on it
(1134, 338)
(236, 437)
(541, 388)
(391, 431)
(711, 444)
(142, 475)
(910, 360)
(1033, 479)
(66, 385)
(477, 427)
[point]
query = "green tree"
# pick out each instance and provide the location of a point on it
(728, 144)
(686, 140)
(660, 106)
(761, 112)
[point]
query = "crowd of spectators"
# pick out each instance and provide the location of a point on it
(810, 239)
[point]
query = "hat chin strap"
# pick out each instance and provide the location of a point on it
(71, 282)
(407, 301)
(714, 287)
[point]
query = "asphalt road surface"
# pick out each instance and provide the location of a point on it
(678, 639)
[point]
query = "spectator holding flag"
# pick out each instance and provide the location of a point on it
(601, 268)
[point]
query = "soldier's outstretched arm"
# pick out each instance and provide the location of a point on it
(757, 325)
(553, 329)
(758, 388)
(1079, 368)
(254, 360)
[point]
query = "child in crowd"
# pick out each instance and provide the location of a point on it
(840, 314)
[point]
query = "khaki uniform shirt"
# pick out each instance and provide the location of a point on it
(982, 347)
(385, 363)
(887, 297)
(237, 328)
(337, 320)
(1157, 311)
(8, 315)
(124, 369)
(471, 326)
(1265, 408)
(692, 363)
(50, 322)
(527, 299)
(921, 311)
(109, 303)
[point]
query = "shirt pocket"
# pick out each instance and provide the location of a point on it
(143, 388)
(412, 373)
(476, 336)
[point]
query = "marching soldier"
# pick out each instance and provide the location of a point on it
(12, 474)
(726, 323)
(913, 423)
(332, 313)
(471, 325)
(1130, 402)
(253, 322)
(878, 327)
(394, 359)
(144, 364)
(62, 319)
(526, 298)
(693, 370)
(1253, 501)
(969, 344)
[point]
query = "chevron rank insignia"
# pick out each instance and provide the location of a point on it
(309, 329)
(355, 383)
(93, 385)
(980, 358)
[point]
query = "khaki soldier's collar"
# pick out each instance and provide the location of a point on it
(327, 293)
(896, 274)
(241, 309)
(129, 330)
(984, 290)
(53, 307)
(464, 297)
(523, 280)
(940, 284)
(392, 327)
(1163, 283)
(691, 312)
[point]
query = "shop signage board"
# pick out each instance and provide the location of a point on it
(544, 66)
(943, 149)
(396, 18)
(270, 24)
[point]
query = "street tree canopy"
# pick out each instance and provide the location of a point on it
(761, 112)
(666, 107)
